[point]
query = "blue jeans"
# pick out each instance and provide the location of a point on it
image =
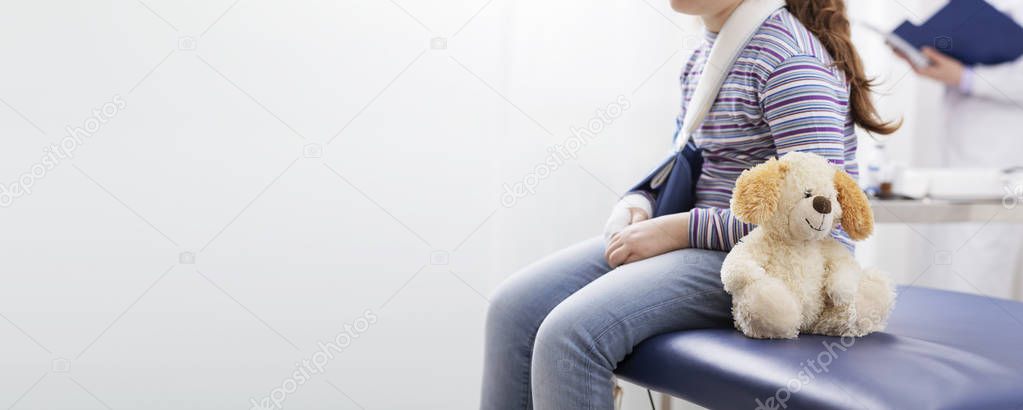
(556, 330)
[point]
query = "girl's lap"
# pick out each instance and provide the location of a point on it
(575, 288)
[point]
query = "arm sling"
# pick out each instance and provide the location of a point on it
(673, 182)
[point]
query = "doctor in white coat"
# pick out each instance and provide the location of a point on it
(983, 128)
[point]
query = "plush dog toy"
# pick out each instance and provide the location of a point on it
(789, 275)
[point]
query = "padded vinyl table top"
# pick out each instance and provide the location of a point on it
(941, 350)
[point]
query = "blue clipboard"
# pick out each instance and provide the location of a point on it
(971, 31)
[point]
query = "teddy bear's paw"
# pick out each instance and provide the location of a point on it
(843, 292)
(836, 321)
(868, 313)
(874, 302)
(766, 309)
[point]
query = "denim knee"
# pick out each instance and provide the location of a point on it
(510, 310)
(565, 339)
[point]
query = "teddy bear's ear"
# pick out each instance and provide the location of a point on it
(857, 217)
(757, 191)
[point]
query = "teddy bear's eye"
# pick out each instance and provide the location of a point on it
(807, 193)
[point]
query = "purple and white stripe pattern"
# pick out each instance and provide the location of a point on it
(781, 95)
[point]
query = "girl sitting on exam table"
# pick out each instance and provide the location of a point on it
(556, 330)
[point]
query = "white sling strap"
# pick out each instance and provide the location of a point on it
(731, 40)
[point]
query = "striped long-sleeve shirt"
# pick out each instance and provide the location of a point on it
(782, 94)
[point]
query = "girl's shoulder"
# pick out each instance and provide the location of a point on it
(779, 39)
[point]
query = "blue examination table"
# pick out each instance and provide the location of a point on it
(942, 350)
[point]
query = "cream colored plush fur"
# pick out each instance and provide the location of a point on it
(789, 275)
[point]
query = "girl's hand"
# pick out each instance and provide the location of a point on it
(648, 238)
(631, 209)
(637, 215)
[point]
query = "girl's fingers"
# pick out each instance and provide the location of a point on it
(637, 215)
(618, 257)
(615, 241)
(611, 247)
(618, 220)
(632, 258)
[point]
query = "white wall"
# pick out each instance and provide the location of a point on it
(215, 153)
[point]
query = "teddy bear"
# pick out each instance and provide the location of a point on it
(789, 274)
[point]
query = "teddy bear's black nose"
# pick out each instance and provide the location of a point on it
(822, 204)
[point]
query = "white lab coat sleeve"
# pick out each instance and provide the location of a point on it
(1001, 82)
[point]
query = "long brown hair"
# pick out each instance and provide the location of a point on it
(827, 20)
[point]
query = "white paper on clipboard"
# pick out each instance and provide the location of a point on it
(915, 57)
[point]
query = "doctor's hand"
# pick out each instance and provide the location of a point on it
(943, 69)
(648, 238)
